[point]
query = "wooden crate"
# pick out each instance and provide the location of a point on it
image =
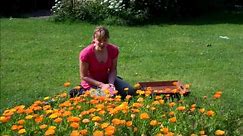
(165, 87)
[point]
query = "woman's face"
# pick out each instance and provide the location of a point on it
(100, 42)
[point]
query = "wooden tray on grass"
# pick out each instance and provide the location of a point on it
(165, 87)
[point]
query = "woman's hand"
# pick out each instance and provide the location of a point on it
(109, 87)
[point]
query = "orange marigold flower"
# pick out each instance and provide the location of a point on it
(157, 97)
(144, 116)
(21, 122)
(133, 116)
(20, 127)
(74, 133)
(128, 97)
(116, 121)
(129, 123)
(155, 103)
(152, 108)
(96, 118)
(98, 133)
(66, 113)
(84, 132)
(14, 127)
(202, 132)
(187, 86)
(216, 96)
(110, 130)
(29, 117)
(53, 116)
(181, 108)
(65, 104)
(161, 101)
(210, 113)
(22, 131)
(218, 92)
(172, 113)
(193, 106)
(85, 121)
(77, 87)
(104, 125)
(52, 127)
(164, 130)
(102, 112)
(135, 129)
(43, 126)
(137, 86)
(67, 84)
(202, 110)
(73, 119)
(58, 120)
(172, 120)
(74, 125)
(192, 109)
(137, 105)
(153, 122)
(219, 132)
(50, 132)
(38, 119)
(171, 104)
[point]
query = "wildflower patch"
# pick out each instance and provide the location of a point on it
(142, 114)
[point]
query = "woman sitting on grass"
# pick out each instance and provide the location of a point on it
(98, 65)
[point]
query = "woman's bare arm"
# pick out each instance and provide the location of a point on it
(84, 66)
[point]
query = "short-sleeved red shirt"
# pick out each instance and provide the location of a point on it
(97, 70)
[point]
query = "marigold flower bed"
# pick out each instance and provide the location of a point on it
(143, 114)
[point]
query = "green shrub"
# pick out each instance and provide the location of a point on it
(130, 12)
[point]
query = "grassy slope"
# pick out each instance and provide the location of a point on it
(37, 56)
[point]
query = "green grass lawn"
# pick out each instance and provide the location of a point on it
(38, 56)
